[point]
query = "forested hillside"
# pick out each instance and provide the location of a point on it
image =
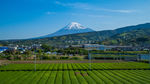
(130, 35)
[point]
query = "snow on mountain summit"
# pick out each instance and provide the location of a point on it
(72, 28)
(74, 25)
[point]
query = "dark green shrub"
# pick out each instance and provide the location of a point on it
(64, 57)
(75, 58)
(52, 57)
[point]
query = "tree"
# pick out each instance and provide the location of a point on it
(142, 39)
(46, 47)
(39, 55)
(27, 52)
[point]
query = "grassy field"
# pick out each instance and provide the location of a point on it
(76, 73)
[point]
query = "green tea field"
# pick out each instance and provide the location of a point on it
(76, 73)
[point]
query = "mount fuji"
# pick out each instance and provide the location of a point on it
(72, 28)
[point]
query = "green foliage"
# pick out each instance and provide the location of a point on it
(46, 47)
(59, 78)
(76, 73)
(64, 57)
(2, 56)
(75, 58)
(44, 57)
(76, 77)
(73, 78)
(138, 37)
(52, 78)
(142, 39)
(88, 78)
(73, 51)
(77, 66)
(66, 78)
(1, 45)
(28, 52)
(53, 57)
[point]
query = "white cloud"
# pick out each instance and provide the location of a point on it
(74, 5)
(124, 11)
(50, 13)
(97, 16)
(86, 6)
(114, 10)
(89, 15)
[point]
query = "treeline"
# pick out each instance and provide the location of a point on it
(49, 52)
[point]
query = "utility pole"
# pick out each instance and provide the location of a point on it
(90, 60)
(34, 53)
(149, 57)
(35, 63)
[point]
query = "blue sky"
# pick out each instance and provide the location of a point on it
(21, 19)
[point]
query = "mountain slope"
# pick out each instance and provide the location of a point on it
(72, 28)
(61, 40)
(135, 38)
(130, 28)
(109, 37)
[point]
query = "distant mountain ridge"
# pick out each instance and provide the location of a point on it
(71, 28)
(109, 37)
(130, 28)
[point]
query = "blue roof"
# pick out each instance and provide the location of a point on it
(3, 48)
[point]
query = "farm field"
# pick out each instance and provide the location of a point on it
(76, 73)
(76, 66)
(76, 77)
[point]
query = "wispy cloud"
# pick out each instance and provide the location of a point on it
(86, 6)
(74, 5)
(89, 15)
(97, 16)
(50, 13)
(114, 10)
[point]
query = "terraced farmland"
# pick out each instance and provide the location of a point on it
(76, 73)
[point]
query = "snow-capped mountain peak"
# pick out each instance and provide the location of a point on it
(72, 28)
(74, 25)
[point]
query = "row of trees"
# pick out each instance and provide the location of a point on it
(71, 51)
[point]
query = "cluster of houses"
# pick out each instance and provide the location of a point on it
(110, 47)
(102, 47)
(23, 48)
(81, 41)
